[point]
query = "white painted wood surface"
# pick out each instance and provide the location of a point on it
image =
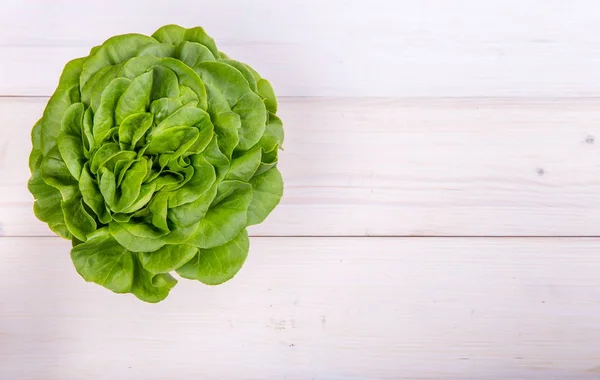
(400, 167)
(336, 47)
(467, 119)
(316, 308)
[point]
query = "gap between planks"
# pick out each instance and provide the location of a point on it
(429, 237)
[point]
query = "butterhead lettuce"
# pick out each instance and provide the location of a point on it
(152, 156)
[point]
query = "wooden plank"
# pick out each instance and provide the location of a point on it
(421, 167)
(335, 48)
(320, 308)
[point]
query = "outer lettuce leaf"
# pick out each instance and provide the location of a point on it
(226, 217)
(218, 264)
(104, 261)
(267, 190)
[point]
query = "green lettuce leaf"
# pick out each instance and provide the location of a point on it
(218, 264)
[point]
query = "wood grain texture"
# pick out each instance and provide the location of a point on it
(316, 308)
(335, 48)
(465, 118)
(421, 167)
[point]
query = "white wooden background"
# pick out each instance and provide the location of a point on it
(441, 218)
